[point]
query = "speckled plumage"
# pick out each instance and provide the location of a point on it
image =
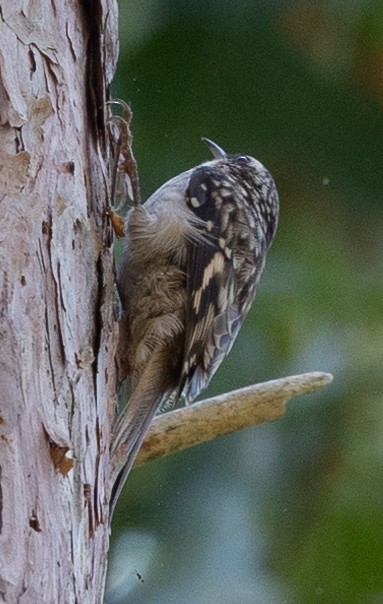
(193, 256)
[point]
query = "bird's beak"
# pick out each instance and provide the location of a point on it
(217, 152)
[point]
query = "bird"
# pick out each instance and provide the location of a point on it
(192, 258)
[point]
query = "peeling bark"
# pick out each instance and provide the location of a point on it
(57, 333)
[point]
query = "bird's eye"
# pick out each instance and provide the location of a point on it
(243, 159)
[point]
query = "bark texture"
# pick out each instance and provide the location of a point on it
(57, 332)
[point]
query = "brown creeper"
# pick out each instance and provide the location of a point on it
(193, 256)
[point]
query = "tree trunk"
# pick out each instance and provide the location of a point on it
(57, 332)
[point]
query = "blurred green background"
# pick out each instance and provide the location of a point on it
(289, 512)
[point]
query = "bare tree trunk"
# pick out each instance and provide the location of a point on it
(57, 335)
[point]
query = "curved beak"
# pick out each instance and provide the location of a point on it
(216, 150)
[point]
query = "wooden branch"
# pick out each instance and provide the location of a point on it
(224, 414)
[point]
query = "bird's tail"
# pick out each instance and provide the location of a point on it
(133, 423)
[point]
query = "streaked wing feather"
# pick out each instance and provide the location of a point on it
(213, 318)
